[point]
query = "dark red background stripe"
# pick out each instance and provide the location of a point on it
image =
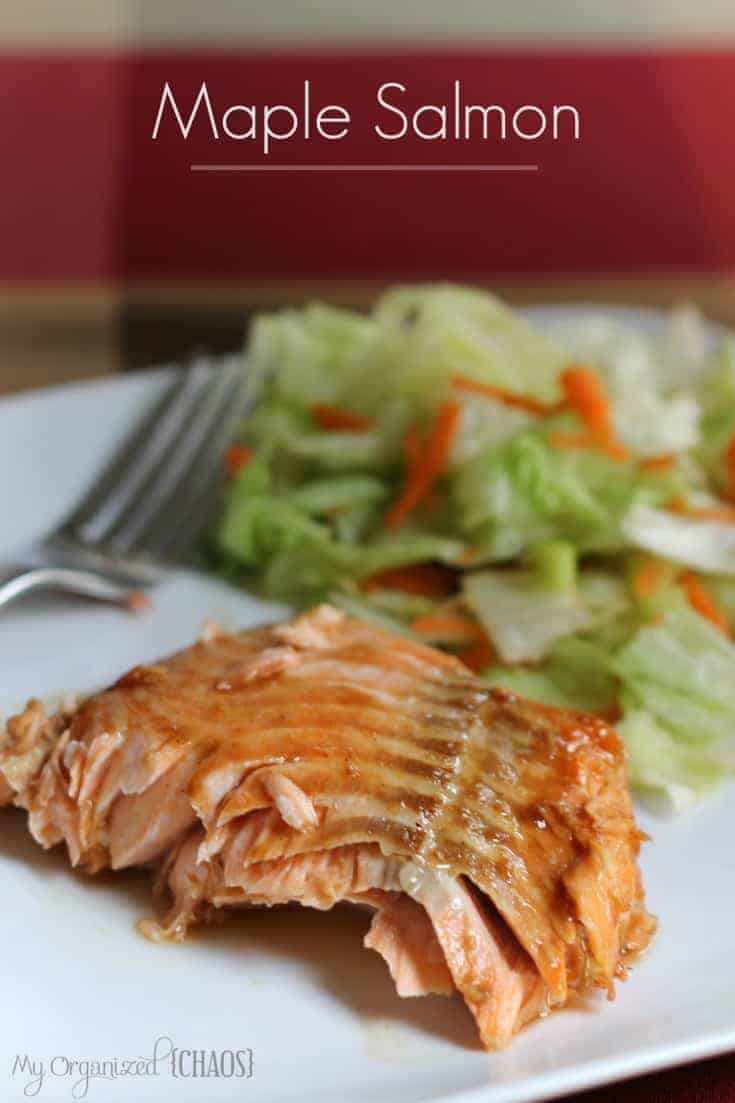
(85, 194)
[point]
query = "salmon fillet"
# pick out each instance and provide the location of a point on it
(325, 760)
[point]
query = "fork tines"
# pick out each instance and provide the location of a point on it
(154, 498)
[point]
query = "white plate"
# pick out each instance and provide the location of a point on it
(318, 1012)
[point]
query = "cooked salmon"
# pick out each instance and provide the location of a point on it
(325, 760)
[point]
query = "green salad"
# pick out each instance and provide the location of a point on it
(555, 506)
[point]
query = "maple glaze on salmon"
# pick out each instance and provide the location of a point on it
(325, 760)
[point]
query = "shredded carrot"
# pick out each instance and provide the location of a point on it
(713, 513)
(334, 417)
(467, 556)
(237, 456)
(585, 395)
(429, 465)
(412, 450)
(647, 578)
(730, 463)
(508, 398)
(658, 463)
(677, 504)
(138, 601)
(479, 654)
(447, 625)
(412, 455)
(700, 600)
(424, 579)
(703, 513)
(614, 449)
(588, 440)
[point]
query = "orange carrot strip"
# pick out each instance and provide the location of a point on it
(508, 398)
(467, 556)
(703, 513)
(677, 504)
(658, 463)
(138, 601)
(647, 578)
(333, 417)
(585, 395)
(422, 475)
(424, 579)
(237, 456)
(411, 456)
(713, 513)
(588, 440)
(701, 601)
(479, 655)
(615, 450)
(447, 624)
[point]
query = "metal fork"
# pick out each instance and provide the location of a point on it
(147, 509)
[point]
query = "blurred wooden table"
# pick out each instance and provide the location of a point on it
(56, 335)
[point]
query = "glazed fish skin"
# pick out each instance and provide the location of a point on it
(282, 743)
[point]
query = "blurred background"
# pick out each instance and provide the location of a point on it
(113, 255)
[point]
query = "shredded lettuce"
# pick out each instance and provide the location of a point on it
(300, 355)
(324, 495)
(523, 616)
(577, 675)
(673, 682)
(404, 607)
(526, 492)
(307, 566)
(660, 763)
(339, 451)
(545, 539)
(652, 425)
(485, 425)
(682, 670)
(356, 605)
(622, 344)
(555, 564)
(301, 558)
(434, 333)
(694, 542)
(647, 377)
(537, 685)
(582, 670)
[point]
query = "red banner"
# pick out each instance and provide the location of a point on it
(87, 194)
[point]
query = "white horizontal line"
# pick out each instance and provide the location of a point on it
(364, 168)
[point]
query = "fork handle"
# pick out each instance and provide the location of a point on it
(67, 580)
